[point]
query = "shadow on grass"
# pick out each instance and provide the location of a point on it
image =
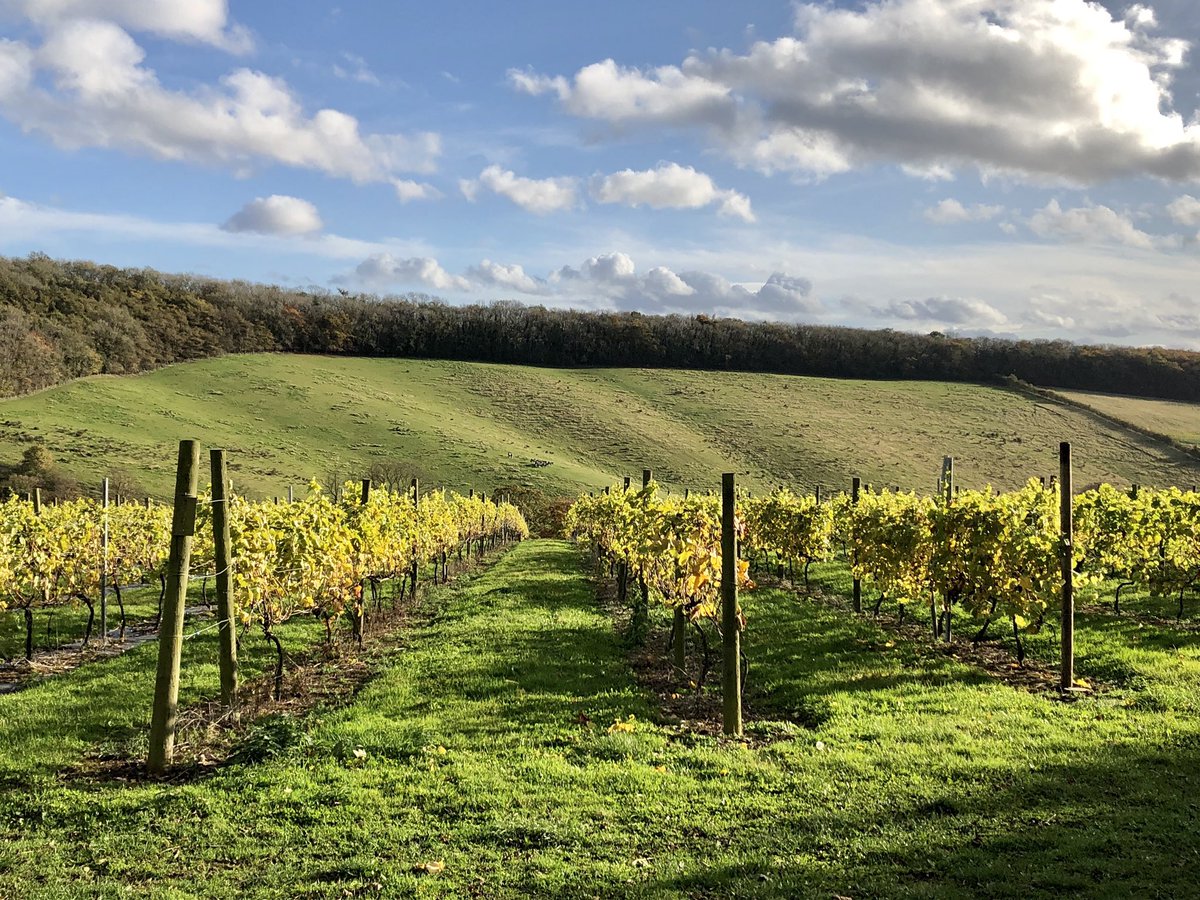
(1118, 823)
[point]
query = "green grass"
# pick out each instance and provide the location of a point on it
(896, 771)
(1177, 420)
(287, 418)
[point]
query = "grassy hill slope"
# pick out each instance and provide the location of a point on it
(1179, 421)
(287, 418)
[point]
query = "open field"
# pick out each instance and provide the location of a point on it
(874, 766)
(1178, 421)
(289, 418)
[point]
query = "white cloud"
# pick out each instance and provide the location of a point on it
(670, 186)
(1053, 90)
(490, 274)
(623, 96)
(540, 196)
(1094, 224)
(615, 277)
(101, 95)
(952, 212)
(203, 21)
(26, 226)
(384, 269)
(407, 191)
(961, 312)
(1185, 210)
(278, 215)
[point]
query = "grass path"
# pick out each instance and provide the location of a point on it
(488, 745)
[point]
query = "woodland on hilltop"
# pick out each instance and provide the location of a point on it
(61, 320)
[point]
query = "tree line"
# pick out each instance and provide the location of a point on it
(61, 320)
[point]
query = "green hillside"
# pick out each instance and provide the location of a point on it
(288, 418)
(1179, 421)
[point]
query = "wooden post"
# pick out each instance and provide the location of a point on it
(104, 562)
(1066, 526)
(358, 623)
(291, 495)
(817, 495)
(623, 568)
(223, 558)
(37, 501)
(170, 633)
(855, 487)
(1134, 491)
(640, 623)
(731, 639)
(416, 498)
(948, 479)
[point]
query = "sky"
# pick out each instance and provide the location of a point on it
(1018, 168)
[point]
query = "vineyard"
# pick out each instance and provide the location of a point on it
(515, 741)
(322, 556)
(992, 558)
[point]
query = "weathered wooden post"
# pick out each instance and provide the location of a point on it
(416, 498)
(855, 487)
(223, 558)
(731, 639)
(37, 501)
(104, 562)
(1066, 526)
(641, 611)
(170, 633)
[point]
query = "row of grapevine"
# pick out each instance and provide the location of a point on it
(1013, 557)
(996, 556)
(313, 555)
(682, 551)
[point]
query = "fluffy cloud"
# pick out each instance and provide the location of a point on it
(1042, 89)
(514, 277)
(670, 186)
(952, 212)
(277, 214)
(1185, 210)
(1090, 224)
(383, 269)
(407, 191)
(203, 21)
(540, 196)
(86, 86)
(959, 312)
(615, 277)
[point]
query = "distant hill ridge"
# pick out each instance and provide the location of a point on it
(62, 320)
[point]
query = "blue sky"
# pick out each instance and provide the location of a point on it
(1011, 167)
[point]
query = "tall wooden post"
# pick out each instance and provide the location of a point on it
(416, 499)
(170, 633)
(359, 622)
(104, 562)
(817, 495)
(223, 558)
(641, 610)
(37, 501)
(731, 638)
(855, 487)
(291, 495)
(1066, 525)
